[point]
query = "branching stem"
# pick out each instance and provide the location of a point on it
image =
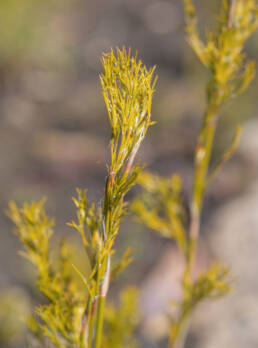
(201, 166)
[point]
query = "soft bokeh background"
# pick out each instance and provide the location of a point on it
(54, 134)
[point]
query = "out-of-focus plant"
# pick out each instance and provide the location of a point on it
(120, 333)
(14, 305)
(72, 317)
(21, 24)
(160, 206)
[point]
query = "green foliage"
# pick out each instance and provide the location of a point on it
(60, 317)
(119, 333)
(159, 205)
(127, 89)
(74, 318)
(212, 284)
(222, 52)
(88, 224)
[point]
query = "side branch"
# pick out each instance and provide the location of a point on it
(226, 156)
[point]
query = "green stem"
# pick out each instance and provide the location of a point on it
(91, 320)
(104, 272)
(202, 157)
(101, 302)
(98, 319)
(84, 325)
(99, 322)
(202, 161)
(178, 333)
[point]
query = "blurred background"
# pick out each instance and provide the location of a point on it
(54, 133)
